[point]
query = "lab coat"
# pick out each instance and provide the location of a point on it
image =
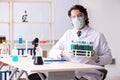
(100, 47)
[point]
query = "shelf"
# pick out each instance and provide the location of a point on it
(33, 1)
(26, 0)
(30, 44)
(4, 0)
(4, 23)
(44, 1)
(32, 22)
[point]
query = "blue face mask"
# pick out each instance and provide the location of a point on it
(78, 22)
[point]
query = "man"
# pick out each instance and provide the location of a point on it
(80, 36)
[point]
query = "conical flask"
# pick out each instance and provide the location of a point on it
(38, 57)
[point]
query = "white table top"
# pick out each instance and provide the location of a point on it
(27, 65)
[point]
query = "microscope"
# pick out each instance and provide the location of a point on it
(37, 52)
(35, 42)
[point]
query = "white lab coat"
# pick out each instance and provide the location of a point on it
(90, 35)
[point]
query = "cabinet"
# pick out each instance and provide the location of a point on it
(35, 23)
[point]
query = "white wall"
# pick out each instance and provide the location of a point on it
(105, 17)
(62, 21)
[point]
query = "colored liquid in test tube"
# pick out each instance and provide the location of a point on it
(91, 45)
(86, 46)
(72, 45)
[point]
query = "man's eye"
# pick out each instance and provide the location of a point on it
(80, 15)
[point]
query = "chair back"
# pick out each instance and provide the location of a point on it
(37, 76)
(104, 71)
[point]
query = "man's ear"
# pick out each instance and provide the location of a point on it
(85, 18)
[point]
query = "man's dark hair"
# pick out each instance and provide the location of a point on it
(81, 9)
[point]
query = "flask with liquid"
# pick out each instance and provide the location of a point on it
(38, 57)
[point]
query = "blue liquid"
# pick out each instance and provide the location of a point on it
(15, 58)
(20, 40)
(73, 47)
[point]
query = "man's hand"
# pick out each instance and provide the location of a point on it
(95, 57)
(67, 54)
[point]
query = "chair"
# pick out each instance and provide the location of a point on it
(104, 71)
(37, 76)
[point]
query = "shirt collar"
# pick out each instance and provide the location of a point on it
(84, 31)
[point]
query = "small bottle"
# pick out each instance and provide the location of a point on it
(15, 56)
(20, 40)
(4, 49)
(0, 39)
(3, 39)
